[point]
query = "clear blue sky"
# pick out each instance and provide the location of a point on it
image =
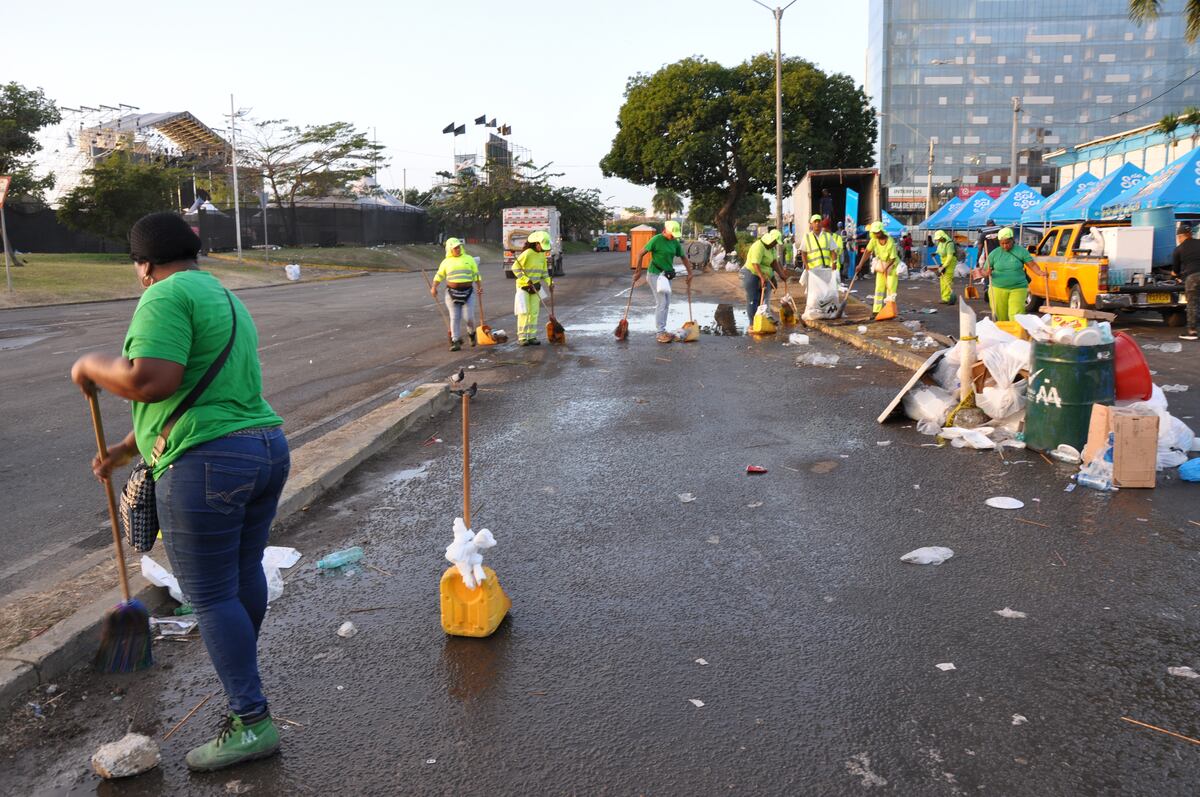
(555, 71)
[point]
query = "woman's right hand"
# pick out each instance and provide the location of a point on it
(117, 456)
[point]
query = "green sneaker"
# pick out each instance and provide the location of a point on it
(235, 743)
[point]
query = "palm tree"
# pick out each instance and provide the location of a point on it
(1191, 116)
(1143, 11)
(1167, 126)
(666, 202)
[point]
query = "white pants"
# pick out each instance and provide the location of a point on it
(460, 313)
(662, 303)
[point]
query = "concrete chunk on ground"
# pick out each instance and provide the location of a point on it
(131, 755)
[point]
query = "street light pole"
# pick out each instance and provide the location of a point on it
(237, 210)
(1012, 177)
(777, 12)
(929, 184)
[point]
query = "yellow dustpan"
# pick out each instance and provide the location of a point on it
(483, 334)
(691, 330)
(762, 324)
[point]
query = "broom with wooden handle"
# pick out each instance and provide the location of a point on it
(125, 638)
(622, 330)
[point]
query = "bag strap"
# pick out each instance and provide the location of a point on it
(160, 444)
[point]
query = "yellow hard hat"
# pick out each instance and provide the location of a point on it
(1005, 233)
(673, 228)
(770, 236)
(451, 243)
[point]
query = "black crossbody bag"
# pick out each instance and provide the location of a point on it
(139, 513)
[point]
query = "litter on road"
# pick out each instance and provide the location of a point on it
(930, 555)
(696, 703)
(1004, 502)
(686, 498)
(347, 630)
(1019, 719)
(131, 755)
(946, 666)
(755, 469)
(1183, 672)
(1011, 614)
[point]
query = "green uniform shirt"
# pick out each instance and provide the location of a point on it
(663, 251)
(885, 252)
(947, 255)
(185, 319)
(457, 269)
(530, 267)
(763, 255)
(1008, 268)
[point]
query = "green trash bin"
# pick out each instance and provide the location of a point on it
(1065, 381)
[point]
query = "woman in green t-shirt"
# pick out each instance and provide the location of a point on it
(1008, 288)
(219, 476)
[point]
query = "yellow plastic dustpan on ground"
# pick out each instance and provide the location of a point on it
(470, 611)
(483, 333)
(691, 330)
(762, 324)
(787, 307)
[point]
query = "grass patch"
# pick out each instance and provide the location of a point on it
(54, 279)
(399, 257)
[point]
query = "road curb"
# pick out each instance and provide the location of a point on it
(317, 466)
(875, 339)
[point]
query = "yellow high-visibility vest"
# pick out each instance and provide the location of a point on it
(819, 242)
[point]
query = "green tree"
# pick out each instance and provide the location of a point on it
(1167, 126)
(23, 112)
(467, 202)
(1143, 11)
(635, 210)
(666, 203)
(1191, 118)
(707, 130)
(750, 208)
(314, 161)
(116, 192)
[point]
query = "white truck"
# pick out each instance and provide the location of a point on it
(519, 223)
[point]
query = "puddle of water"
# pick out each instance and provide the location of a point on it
(8, 344)
(643, 321)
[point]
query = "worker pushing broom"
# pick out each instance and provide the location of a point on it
(662, 250)
(885, 262)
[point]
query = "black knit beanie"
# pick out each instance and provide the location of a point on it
(163, 238)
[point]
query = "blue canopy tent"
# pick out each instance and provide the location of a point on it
(1008, 207)
(1069, 194)
(977, 202)
(1177, 186)
(1089, 206)
(941, 214)
(892, 225)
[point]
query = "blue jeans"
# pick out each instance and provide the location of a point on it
(753, 287)
(215, 505)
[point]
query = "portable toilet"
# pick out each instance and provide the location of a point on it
(639, 236)
(620, 242)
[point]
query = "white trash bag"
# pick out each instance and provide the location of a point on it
(930, 555)
(821, 293)
(292, 270)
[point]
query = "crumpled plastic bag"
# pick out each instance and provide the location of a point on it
(928, 403)
(1190, 470)
(1001, 402)
(465, 553)
(821, 293)
(979, 439)
(930, 555)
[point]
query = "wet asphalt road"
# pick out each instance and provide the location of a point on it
(326, 347)
(821, 646)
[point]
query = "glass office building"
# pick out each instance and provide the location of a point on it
(949, 70)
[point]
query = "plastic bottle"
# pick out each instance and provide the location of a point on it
(341, 558)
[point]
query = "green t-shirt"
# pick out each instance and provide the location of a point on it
(663, 251)
(185, 319)
(947, 255)
(763, 255)
(1008, 268)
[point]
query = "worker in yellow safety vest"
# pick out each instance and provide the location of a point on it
(533, 279)
(817, 247)
(885, 262)
(460, 272)
(948, 261)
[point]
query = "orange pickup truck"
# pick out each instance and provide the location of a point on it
(1079, 274)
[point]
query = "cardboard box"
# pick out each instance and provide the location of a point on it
(1135, 443)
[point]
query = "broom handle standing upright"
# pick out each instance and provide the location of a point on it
(466, 433)
(689, 293)
(629, 303)
(479, 294)
(102, 449)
